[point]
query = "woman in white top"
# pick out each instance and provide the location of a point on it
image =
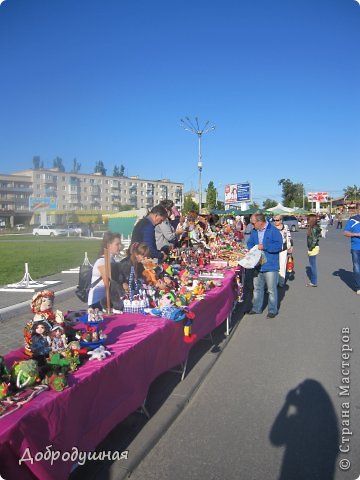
(112, 242)
(287, 248)
(323, 225)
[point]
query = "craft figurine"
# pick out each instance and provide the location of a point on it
(40, 340)
(42, 304)
(4, 378)
(98, 353)
(149, 270)
(58, 339)
(24, 373)
(56, 380)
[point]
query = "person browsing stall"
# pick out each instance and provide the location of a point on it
(144, 231)
(165, 234)
(270, 242)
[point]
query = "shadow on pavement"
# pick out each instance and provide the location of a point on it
(345, 276)
(307, 426)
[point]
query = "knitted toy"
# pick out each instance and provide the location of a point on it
(24, 373)
(4, 379)
(149, 270)
(98, 353)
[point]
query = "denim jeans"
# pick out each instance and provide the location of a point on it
(355, 255)
(271, 280)
(313, 269)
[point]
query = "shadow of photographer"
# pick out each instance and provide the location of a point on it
(307, 426)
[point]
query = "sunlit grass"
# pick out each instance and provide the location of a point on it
(45, 256)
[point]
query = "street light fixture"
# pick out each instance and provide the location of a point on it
(193, 127)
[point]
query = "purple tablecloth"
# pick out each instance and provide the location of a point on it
(102, 393)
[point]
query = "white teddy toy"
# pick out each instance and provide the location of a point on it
(99, 353)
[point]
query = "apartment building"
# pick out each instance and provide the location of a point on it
(15, 192)
(83, 192)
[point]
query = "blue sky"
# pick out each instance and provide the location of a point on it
(110, 80)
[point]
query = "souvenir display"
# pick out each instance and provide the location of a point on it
(192, 269)
(92, 335)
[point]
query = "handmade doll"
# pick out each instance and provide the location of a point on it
(42, 306)
(41, 345)
(58, 339)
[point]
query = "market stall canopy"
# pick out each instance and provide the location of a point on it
(279, 209)
(300, 211)
(235, 211)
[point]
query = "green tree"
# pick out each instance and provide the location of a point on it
(124, 208)
(292, 193)
(76, 166)
(254, 205)
(269, 203)
(211, 196)
(37, 163)
(99, 167)
(72, 217)
(116, 171)
(58, 163)
(352, 193)
(122, 170)
(189, 204)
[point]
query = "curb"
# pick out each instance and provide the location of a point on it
(7, 313)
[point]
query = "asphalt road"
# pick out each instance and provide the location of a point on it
(271, 406)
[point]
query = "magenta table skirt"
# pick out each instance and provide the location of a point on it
(102, 393)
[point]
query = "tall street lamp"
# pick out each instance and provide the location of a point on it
(193, 127)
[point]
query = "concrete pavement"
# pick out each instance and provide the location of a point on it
(271, 406)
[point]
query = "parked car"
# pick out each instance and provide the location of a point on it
(20, 226)
(49, 230)
(291, 221)
(74, 229)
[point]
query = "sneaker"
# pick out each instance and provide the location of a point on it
(252, 313)
(310, 285)
(271, 315)
(358, 292)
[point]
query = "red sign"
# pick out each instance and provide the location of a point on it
(318, 196)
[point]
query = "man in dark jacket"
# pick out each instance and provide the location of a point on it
(269, 240)
(144, 231)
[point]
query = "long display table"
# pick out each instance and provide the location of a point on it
(102, 393)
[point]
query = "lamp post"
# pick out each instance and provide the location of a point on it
(303, 197)
(193, 127)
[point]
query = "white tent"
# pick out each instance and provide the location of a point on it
(280, 209)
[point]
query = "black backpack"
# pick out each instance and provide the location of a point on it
(83, 288)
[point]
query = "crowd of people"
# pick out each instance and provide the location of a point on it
(164, 229)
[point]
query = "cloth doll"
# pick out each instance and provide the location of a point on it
(58, 339)
(42, 304)
(41, 345)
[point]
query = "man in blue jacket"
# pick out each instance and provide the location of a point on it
(144, 231)
(269, 240)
